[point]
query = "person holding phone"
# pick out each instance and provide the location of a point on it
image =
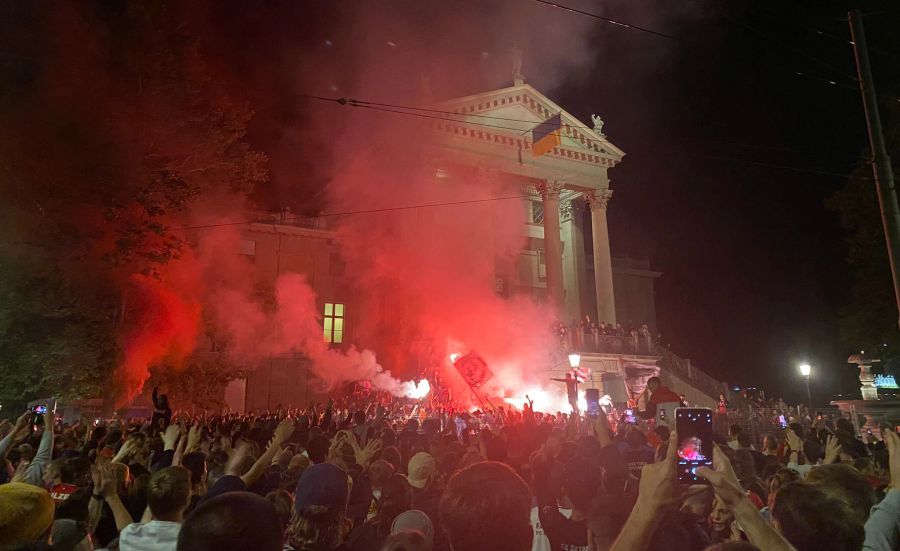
(34, 474)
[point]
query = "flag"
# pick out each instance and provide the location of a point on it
(545, 136)
(473, 369)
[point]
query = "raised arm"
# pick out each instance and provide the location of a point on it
(35, 473)
(282, 432)
(883, 526)
(7, 442)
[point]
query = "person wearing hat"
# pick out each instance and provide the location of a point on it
(414, 520)
(26, 513)
(320, 508)
(427, 486)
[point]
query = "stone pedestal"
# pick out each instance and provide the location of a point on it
(866, 379)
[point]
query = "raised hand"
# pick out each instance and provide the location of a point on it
(794, 441)
(284, 430)
(170, 437)
(602, 430)
(892, 441)
(723, 480)
(364, 456)
(659, 485)
(236, 459)
(105, 480)
(832, 450)
(193, 438)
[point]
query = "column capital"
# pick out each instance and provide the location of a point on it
(598, 199)
(550, 188)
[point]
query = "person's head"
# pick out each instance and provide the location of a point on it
(317, 448)
(779, 479)
(844, 425)
(26, 513)
(195, 462)
(580, 482)
(635, 438)
(734, 431)
(846, 484)
(237, 521)
(283, 503)
(169, 493)
(422, 470)
(416, 521)
(732, 546)
(323, 485)
(406, 540)
(770, 443)
(379, 472)
(810, 520)
(396, 497)
(487, 504)
(719, 521)
(391, 454)
(743, 440)
(653, 383)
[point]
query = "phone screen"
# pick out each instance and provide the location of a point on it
(40, 410)
(593, 407)
(629, 417)
(695, 446)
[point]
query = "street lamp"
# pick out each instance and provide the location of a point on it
(805, 370)
(574, 360)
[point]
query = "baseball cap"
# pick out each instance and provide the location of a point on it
(421, 469)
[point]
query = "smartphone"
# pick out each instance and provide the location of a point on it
(629, 417)
(40, 409)
(593, 404)
(695, 446)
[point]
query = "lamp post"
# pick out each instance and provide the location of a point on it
(805, 370)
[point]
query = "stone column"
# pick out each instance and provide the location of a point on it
(552, 247)
(606, 302)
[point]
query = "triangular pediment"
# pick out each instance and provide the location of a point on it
(518, 109)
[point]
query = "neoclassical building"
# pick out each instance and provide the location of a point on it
(567, 259)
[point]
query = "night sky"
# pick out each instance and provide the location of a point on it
(753, 261)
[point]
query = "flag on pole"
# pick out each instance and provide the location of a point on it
(545, 136)
(473, 369)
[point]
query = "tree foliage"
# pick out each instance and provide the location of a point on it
(113, 137)
(869, 317)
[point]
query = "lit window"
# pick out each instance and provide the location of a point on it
(334, 322)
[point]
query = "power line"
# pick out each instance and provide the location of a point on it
(400, 111)
(794, 72)
(608, 20)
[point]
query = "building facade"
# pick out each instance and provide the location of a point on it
(567, 260)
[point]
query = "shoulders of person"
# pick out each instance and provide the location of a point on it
(137, 535)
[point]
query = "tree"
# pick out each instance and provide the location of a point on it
(869, 318)
(113, 137)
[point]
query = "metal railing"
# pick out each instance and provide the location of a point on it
(584, 341)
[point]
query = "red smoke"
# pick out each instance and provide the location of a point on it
(164, 328)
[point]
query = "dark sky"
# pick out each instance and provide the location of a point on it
(753, 262)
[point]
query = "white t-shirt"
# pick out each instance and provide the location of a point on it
(541, 542)
(156, 535)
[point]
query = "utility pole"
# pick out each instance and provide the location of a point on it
(881, 162)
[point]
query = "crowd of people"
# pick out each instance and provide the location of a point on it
(333, 477)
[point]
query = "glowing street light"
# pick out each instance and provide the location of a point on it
(805, 370)
(574, 360)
